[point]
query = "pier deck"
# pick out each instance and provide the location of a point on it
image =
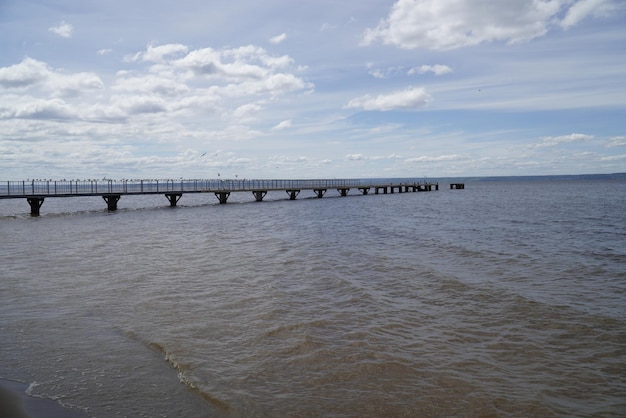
(36, 191)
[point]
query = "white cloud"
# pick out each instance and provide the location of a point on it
(450, 24)
(585, 8)
(150, 83)
(355, 157)
(133, 104)
(383, 73)
(64, 30)
(282, 125)
(551, 141)
(157, 53)
(411, 98)
(362, 157)
(31, 73)
(424, 158)
(617, 158)
(27, 107)
(436, 69)
(278, 38)
(378, 73)
(617, 141)
(61, 84)
(247, 112)
(105, 51)
(246, 63)
(24, 74)
(165, 102)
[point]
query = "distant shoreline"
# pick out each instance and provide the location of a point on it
(552, 177)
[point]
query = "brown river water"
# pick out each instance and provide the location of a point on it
(507, 298)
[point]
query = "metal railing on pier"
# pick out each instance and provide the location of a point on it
(61, 188)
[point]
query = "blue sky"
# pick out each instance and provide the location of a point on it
(311, 89)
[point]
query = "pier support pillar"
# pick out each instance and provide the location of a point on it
(343, 191)
(319, 192)
(364, 190)
(222, 196)
(293, 194)
(436, 186)
(259, 194)
(173, 198)
(111, 200)
(35, 203)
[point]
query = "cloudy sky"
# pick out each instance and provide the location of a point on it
(311, 89)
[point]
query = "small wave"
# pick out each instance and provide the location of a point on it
(12, 217)
(184, 379)
(180, 368)
(29, 390)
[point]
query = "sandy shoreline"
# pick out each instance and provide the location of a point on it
(16, 403)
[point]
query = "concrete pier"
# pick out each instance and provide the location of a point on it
(457, 186)
(36, 191)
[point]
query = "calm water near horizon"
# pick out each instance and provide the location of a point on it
(507, 298)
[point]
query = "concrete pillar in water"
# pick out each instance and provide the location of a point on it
(293, 194)
(319, 192)
(222, 196)
(35, 203)
(259, 194)
(173, 198)
(343, 191)
(365, 190)
(111, 200)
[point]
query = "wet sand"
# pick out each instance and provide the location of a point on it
(16, 403)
